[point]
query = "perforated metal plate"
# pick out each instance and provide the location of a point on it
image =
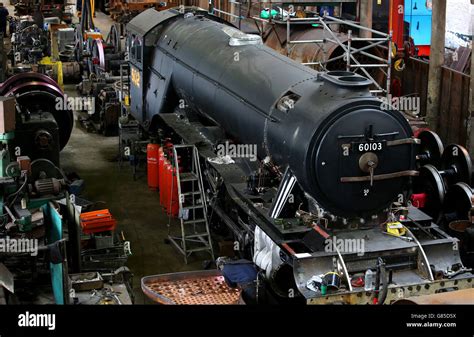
(202, 287)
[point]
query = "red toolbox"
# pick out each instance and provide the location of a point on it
(97, 221)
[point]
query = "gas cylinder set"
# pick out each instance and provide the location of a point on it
(162, 176)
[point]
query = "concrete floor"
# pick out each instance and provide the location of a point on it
(137, 209)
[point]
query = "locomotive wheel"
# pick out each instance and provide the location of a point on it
(79, 44)
(37, 97)
(431, 182)
(459, 200)
(281, 280)
(36, 92)
(114, 39)
(431, 146)
(19, 79)
(96, 60)
(455, 156)
(88, 50)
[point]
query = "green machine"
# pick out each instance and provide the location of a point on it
(12, 188)
(9, 171)
(24, 184)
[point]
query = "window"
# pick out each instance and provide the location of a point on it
(136, 48)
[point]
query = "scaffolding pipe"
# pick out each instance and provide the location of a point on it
(348, 53)
(306, 41)
(389, 63)
(227, 13)
(356, 26)
(354, 59)
(355, 51)
(368, 65)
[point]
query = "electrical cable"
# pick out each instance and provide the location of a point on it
(380, 294)
(18, 191)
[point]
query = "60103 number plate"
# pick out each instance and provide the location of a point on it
(369, 146)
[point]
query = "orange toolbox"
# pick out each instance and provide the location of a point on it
(97, 221)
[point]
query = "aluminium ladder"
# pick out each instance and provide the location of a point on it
(194, 235)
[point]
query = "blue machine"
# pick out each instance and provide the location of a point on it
(418, 14)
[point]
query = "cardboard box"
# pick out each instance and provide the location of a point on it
(7, 114)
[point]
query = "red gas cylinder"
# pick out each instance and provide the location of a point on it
(169, 191)
(173, 198)
(152, 154)
(161, 163)
(164, 187)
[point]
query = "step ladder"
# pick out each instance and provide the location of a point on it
(194, 235)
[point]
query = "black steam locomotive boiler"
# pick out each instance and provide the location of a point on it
(317, 188)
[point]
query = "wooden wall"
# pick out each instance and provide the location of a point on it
(454, 105)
